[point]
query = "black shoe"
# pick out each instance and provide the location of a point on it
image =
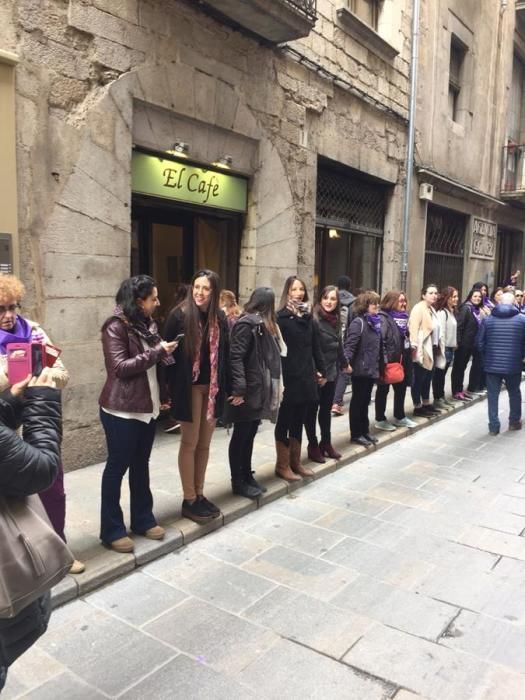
(361, 440)
(241, 488)
(371, 438)
(421, 412)
(252, 481)
(196, 511)
(515, 425)
(211, 507)
(493, 432)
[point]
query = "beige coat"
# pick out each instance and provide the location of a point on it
(420, 324)
(59, 372)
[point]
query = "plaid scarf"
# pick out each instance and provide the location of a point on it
(214, 335)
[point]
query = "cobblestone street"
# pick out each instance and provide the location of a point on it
(399, 576)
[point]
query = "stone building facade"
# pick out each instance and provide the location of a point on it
(108, 91)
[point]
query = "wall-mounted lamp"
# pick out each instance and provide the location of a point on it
(223, 162)
(333, 233)
(179, 149)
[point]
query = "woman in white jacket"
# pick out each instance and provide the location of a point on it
(446, 313)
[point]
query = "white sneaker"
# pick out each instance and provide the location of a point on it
(404, 423)
(385, 425)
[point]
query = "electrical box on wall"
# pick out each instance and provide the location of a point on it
(426, 191)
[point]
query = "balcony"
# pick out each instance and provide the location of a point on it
(276, 21)
(513, 172)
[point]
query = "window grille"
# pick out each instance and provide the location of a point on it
(307, 7)
(350, 203)
(444, 250)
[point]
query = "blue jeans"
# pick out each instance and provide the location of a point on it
(421, 383)
(129, 447)
(513, 382)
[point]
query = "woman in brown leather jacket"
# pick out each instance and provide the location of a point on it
(129, 407)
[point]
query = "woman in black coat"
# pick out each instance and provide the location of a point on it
(255, 367)
(396, 348)
(198, 385)
(469, 318)
(303, 371)
(28, 466)
(327, 326)
(363, 352)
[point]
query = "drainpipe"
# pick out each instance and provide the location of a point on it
(410, 146)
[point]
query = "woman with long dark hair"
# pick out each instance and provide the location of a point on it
(327, 325)
(446, 313)
(129, 407)
(303, 371)
(396, 348)
(428, 350)
(255, 367)
(469, 318)
(362, 349)
(197, 385)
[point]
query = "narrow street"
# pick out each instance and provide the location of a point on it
(399, 576)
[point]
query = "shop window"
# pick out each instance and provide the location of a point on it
(458, 52)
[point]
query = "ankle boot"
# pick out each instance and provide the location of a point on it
(282, 466)
(315, 454)
(240, 488)
(295, 459)
(328, 451)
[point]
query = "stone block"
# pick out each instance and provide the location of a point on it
(56, 57)
(147, 550)
(27, 121)
(234, 507)
(295, 668)
(296, 570)
(81, 275)
(105, 567)
(191, 531)
(67, 92)
(229, 644)
(125, 9)
(31, 671)
(63, 686)
(494, 542)
(113, 55)
(64, 591)
(90, 19)
(276, 488)
(136, 599)
(232, 545)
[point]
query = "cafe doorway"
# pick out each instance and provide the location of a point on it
(170, 242)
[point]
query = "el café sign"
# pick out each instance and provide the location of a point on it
(170, 179)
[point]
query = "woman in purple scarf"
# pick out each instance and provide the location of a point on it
(362, 348)
(14, 328)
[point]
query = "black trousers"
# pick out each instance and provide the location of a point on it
(241, 449)
(400, 391)
(361, 395)
(476, 380)
(290, 421)
(322, 410)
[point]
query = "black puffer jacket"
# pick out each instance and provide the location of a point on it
(331, 347)
(28, 466)
(303, 359)
(254, 362)
(391, 337)
(363, 349)
(468, 328)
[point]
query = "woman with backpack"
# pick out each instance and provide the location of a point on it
(255, 367)
(326, 320)
(446, 313)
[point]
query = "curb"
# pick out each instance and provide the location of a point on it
(107, 565)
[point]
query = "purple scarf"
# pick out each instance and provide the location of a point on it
(487, 302)
(401, 320)
(476, 312)
(20, 333)
(374, 321)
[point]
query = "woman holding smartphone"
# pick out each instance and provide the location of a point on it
(303, 371)
(255, 366)
(15, 328)
(198, 385)
(134, 353)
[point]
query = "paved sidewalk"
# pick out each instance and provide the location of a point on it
(83, 499)
(397, 576)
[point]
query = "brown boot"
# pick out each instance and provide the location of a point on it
(282, 466)
(295, 459)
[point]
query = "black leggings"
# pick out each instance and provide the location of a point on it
(324, 405)
(241, 448)
(290, 421)
(476, 376)
(400, 391)
(361, 395)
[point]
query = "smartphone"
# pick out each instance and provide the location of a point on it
(179, 337)
(18, 361)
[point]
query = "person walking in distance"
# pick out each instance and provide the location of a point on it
(362, 350)
(446, 313)
(346, 300)
(327, 322)
(303, 371)
(501, 341)
(129, 406)
(198, 384)
(255, 367)
(469, 318)
(396, 347)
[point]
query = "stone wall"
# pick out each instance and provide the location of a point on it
(88, 68)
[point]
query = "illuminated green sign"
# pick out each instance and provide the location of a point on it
(172, 179)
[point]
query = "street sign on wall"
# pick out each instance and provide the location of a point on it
(483, 239)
